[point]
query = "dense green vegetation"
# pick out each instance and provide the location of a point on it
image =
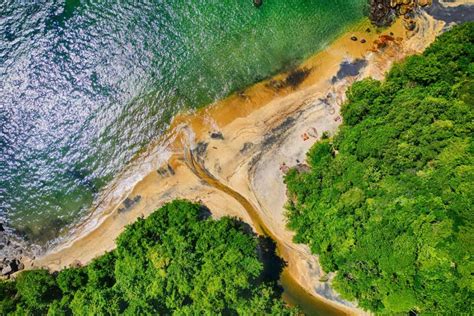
(388, 203)
(177, 261)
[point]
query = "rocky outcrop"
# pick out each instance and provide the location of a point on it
(384, 12)
(13, 251)
(8, 267)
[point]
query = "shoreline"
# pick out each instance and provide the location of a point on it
(241, 141)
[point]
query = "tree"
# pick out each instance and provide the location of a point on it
(391, 212)
(178, 260)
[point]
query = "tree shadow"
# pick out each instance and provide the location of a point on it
(273, 265)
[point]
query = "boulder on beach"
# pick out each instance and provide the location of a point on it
(11, 266)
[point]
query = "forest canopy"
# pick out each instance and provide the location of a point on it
(176, 261)
(388, 202)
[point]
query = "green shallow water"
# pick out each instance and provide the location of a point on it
(86, 85)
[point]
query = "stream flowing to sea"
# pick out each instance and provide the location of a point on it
(84, 86)
(293, 293)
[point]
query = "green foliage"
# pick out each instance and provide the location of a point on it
(37, 289)
(8, 297)
(72, 279)
(392, 211)
(177, 261)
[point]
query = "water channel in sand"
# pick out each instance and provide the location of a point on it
(237, 174)
(293, 293)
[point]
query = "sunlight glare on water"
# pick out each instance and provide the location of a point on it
(84, 85)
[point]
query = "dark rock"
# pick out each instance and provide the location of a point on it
(129, 203)
(354, 38)
(166, 171)
(411, 25)
(217, 135)
(391, 33)
(162, 172)
(201, 149)
(363, 41)
(12, 267)
(368, 30)
(7, 270)
(383, 12)
(170, 170)
(2, 229)
(257, 3)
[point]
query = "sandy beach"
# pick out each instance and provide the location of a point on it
(231, 156)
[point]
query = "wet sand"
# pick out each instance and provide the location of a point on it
(455, 3)
(241, 142)
(457, 11)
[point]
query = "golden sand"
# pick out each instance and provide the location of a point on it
(262, 128)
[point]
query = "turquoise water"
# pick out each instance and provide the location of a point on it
(84, 85)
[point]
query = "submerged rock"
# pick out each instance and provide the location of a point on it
(257, 3)
(294, 78)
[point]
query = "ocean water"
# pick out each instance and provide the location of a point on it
(84, 85)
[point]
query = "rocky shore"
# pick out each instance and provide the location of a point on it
(12, 252)
(240, 145)
(243, 141)
(384, 12)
